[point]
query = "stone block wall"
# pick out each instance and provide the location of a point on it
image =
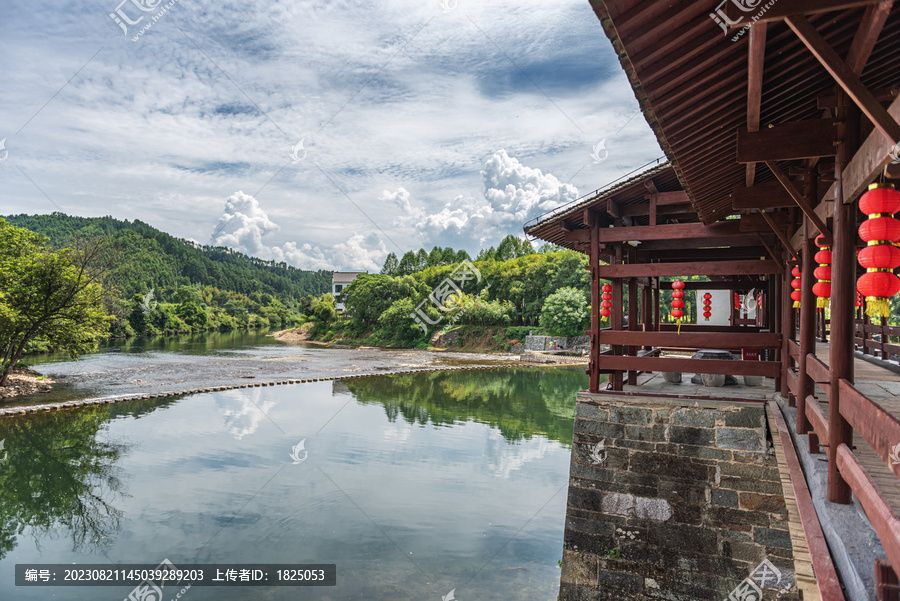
(672, 499)
(545, 343)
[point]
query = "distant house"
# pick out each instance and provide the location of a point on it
(339, 281)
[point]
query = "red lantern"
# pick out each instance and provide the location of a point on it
(822, 288)
(606, 303)
(796, 285)
(707, 303)
(677, 302)
(881, 232)
(859, 299)
(737, 301)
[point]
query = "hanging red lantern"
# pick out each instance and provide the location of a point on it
(707, 306)
(796, 285)
(677, 302)
(822, 288)
(859, 299)
(880, 232)
(606, 304)
(737, 301)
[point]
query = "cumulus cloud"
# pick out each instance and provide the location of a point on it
(513, 193)
(244, 225)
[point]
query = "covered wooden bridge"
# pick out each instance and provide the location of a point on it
(775, 118)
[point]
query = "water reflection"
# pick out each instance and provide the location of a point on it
(519, 402)
(244, 410)
(57, 473)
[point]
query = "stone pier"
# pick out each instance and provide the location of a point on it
(674, 499)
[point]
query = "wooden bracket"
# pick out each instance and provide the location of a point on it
(800, 200)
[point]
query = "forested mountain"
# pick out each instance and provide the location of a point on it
(151, 259)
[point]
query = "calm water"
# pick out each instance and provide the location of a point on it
(413, 485)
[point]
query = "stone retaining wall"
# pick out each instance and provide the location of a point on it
(545, 343)
(671, 499)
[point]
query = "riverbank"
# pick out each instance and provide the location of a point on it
(23, 381)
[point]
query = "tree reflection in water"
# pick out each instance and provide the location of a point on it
(520, 402)
(57, 473)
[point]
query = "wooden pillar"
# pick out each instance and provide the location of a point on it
(616, 317)
(594, 258)
(807, 343)
(656, 322)
(786, 328)
(646, 325)
(843, 296)
(632, 324)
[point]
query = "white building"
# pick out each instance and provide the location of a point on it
(339, 281)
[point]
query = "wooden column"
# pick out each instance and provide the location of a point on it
(594, 258)
(787, 331)
(616, 317)
(843, 297)
(656, 322)
(632, 324)
(807, 343)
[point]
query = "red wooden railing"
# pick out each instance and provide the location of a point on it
(870, 421)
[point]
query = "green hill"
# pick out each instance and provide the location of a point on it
(154, 259)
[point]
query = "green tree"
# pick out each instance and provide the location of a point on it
(370, 295)
(55, 296)
(193, 314)
(391, 265)
(564, 312)
(324, 310)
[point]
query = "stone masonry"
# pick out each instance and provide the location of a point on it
(672, 499)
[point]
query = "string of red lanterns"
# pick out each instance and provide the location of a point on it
(822, 288)
(678, 302)
(606, 304)
(796, 285)
(881, 256)
(707, 306)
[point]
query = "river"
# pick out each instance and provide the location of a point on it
(413, 485)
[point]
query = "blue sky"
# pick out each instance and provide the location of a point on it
(421, 124)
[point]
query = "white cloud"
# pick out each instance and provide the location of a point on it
(388, 95)
(244, 225)
(513, 193)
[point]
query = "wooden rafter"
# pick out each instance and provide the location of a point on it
(800, 200)
(845, 76)
(869, 29)
(756, 61)
(785, 8)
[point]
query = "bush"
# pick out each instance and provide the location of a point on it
(564, 312)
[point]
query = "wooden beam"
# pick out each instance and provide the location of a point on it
(845, 76)
(701, 254)
(767, 369)
(800, 200)
(869, 29)
(714, 340)
(612, 207)
(645, 208)
(781, 236)
(583, 236)
(669, 198)
(707, 268)
(756, 60)
(670, 232)
(566, 225)
(787, 141)
(762, 222)
(701, 242)
(768, 195)
(728, 285)
(771, 253)
(784, 8)
(883, 95)
(875, 425)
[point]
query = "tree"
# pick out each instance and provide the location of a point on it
(52, 295)
(370, 295)
(407, 264)
(391, 265)
(193, 315)
(421, 259)
(564, 312)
